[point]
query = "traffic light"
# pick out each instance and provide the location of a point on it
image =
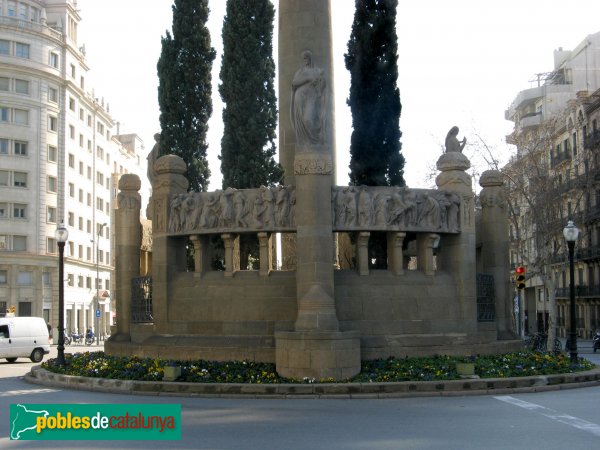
(520, 277)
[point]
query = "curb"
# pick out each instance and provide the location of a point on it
(449, 388)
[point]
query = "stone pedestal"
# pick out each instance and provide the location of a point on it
(318, 355)
(458, 251)
(128, 244)
(494, 251)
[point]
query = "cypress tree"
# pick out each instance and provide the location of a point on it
(375, 158)
(247, 89)
(184, 91)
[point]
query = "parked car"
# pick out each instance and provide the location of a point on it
(24, 337)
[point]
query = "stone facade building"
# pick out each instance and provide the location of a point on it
(556, 132)
(60, 161)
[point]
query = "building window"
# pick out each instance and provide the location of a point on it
(72, 70)
(89, 226)
(51, 245)
(4, 242)
(71, 131)
(51, 214)
(81, 140)
(19, 243)
(3, 146)
(81, 168)
(80, 281)
(71, 160)
(46, 280)
(107, 283)
(81, 223)
(4, 114)
(52, 95)
(24, 309)
(21, 50)
(89, 199)
(71, 190)
(22, 87)
(4, 47)
(3, 210)
(71, 219)
(71, 279)
(3, 177)
(88, 282)
(52, 154)
(25, 278)
(20, 148)
(19, 211)
(21, 116)
(20, 179)
(80, 195)
(54, 60)
(52, 184)
(99, 178)
(99, 204)
(4, 84)
(72, 104)
(3, 276)
(89, 253)
(52, 124)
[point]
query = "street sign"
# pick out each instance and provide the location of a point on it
(97, 313)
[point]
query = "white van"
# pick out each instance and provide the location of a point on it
(24, 337)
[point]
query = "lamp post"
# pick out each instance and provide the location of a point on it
(571, 233)
(61, 235)
(97, 309)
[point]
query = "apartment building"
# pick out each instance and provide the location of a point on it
(555, 177)
(61, 156)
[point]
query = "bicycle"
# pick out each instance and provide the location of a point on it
(538, 342)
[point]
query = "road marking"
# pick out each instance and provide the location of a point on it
(28, 391)
(575, 422)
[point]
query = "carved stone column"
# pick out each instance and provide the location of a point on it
(231, 242)
(395, 240)
(458, 253)
(201, 253)
(425, 242)
(128, 235)
(362, 250)
(265, 255)
(494, 248)
(168, 253)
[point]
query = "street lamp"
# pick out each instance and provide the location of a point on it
(571, 233)
(97, 309)
(61, 235)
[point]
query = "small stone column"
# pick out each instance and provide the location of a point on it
(201, 253)
(425, 242)
(232, 264)
(265, 255)
(495, 245)
(395, 240)
(362, 247)
(459, 255)
(128, 236)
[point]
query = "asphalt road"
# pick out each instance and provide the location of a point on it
(549, 420)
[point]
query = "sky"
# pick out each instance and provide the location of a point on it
(460, 63)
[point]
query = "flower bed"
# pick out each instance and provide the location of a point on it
(520, 364)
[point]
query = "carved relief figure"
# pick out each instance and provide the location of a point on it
(269, 202)
(365, 207)
(382, 202)
(187, 212)
(282, 200)
(452, 143)
(398, 209)
(226, 206)
(350, 207)
(240, 210)
(308, 104)
(174, 215)
(259, 211)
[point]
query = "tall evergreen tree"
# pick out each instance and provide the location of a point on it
(247, 89)
(374, 96)
(184, 91)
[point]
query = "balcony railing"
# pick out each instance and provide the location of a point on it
(34, 26)
(591, 140)
(580, 291)
(561, 157)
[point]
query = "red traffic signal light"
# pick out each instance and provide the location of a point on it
(520, 277)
